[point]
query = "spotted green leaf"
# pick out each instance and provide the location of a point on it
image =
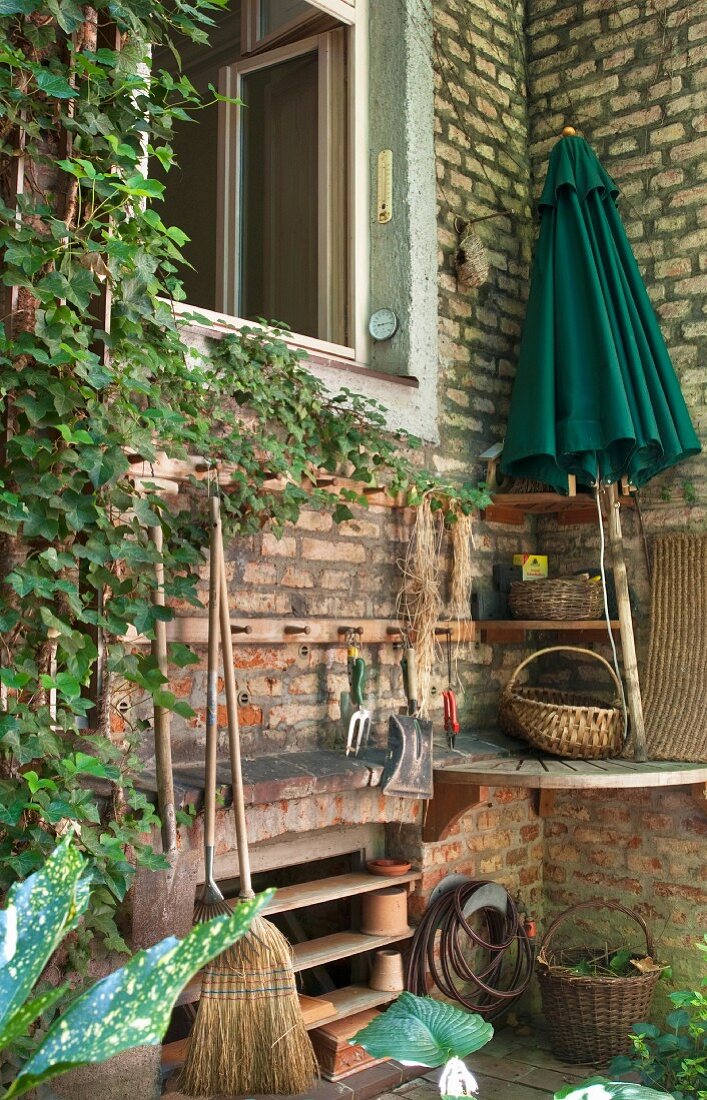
(48, 904)
(132, 1006)
(422, 1031)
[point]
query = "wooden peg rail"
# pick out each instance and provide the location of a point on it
(192, 630)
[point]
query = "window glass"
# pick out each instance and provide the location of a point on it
(280, 207)
(275, 14)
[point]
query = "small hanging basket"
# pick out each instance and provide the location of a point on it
(564, 723)
(564, 598)
(471, 260)
(589, 1018)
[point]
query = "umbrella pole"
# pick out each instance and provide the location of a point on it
(628, 643)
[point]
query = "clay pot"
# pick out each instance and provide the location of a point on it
(387, 971)
(385, 912)
(387, 867)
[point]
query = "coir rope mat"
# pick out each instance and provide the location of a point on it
(675, 702)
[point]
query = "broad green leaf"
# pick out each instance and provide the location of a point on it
(48, 905)
(422, 1031)
(17, 7)
(677, 1019)
(600, 1088)
(54, 85)
(21, 1020)
(132, 1007)
(646, 1031)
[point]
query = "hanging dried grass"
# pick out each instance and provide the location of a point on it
(462, 537)
(420, 600)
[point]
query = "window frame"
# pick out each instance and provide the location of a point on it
(252, 41)
(354, 15)
(335, 301)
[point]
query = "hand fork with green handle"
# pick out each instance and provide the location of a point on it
(360, 721)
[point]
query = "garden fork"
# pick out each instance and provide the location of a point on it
(360, 721)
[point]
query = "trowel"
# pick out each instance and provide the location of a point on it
(407, 771)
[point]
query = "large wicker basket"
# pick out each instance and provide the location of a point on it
(563, 599)
(589, 1018)
(564, 723)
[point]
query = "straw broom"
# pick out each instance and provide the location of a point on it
(249, 1036)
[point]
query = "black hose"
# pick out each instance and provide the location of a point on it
(505, 948)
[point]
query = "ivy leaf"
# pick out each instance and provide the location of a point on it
(54, 85)
(18, 7)
(181, 655)
(131, 1007)
(48, 905)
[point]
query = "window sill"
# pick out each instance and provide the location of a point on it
(215, 327)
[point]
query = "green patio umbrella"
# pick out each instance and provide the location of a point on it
(595, 393)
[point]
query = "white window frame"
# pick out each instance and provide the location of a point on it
(354, 16)
(250, 25)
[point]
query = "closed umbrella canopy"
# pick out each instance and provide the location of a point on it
(595, 393)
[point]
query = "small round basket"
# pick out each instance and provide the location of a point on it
(589, 1018)
(564, 723)
(565, 598)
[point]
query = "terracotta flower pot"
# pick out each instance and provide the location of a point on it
(387, 971)
(385, 912)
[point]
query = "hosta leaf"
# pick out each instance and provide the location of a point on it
(424, 1032)
(48, 905)
(599, 1088)
(132, 1006)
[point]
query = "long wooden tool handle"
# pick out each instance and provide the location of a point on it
(212, 678)
(234, 739)
(628, 643)
(163, 744)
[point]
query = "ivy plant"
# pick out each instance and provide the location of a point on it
(85, 390)
(131, 1007)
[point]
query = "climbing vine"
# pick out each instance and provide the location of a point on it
(84, 390)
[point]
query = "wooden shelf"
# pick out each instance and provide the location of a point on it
(461, 787)
(319, 952)
(515, 630)
(512, 508)
(330, 889)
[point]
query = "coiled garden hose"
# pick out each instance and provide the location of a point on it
(505, 953)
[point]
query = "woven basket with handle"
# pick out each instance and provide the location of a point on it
(589, 1018)
(564, 723)
(562, 598)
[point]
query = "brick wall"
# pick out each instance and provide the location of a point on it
(631, 76)
(646, 849)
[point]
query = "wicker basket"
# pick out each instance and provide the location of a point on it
(589, 1019)
(564, 723)
(568, 598)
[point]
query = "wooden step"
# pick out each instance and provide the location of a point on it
(331, 889)
(319, 952)
(352, 999)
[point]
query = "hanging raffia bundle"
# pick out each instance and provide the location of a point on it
(419, 600)
(460, 589)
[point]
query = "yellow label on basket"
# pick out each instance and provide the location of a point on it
(534, 565)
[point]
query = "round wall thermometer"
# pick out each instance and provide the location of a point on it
(383, 324)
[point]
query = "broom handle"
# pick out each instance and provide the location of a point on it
(163, 745)
(234, 739)
(211, 688)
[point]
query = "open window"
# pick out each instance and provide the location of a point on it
(265, 189)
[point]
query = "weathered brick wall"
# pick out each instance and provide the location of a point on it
(646, 849)
(632, 77)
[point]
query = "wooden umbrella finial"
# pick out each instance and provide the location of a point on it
(569, 131)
